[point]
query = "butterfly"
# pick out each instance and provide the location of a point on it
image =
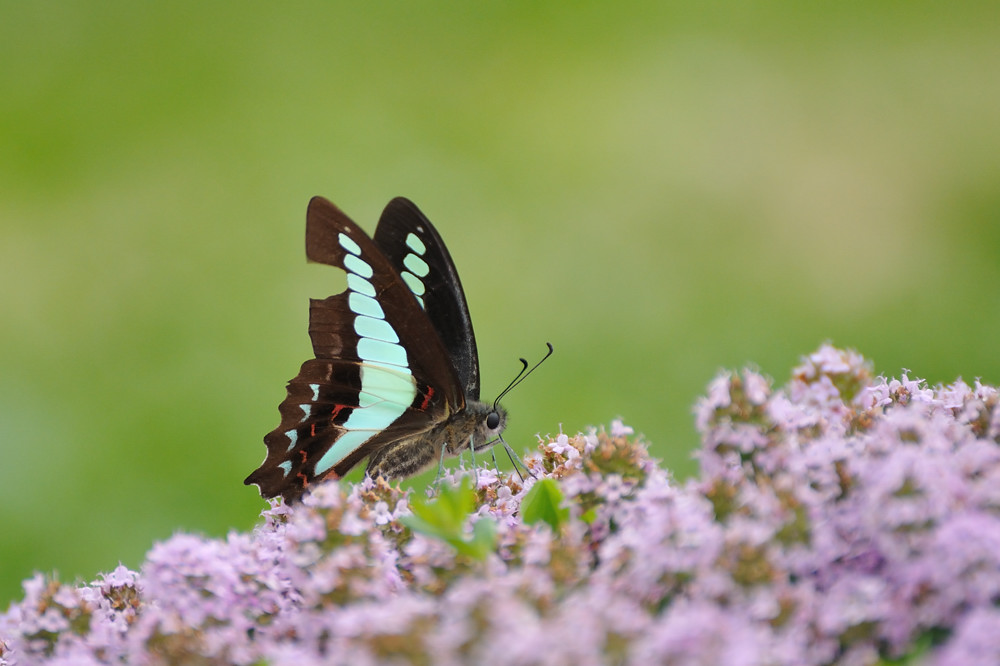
(396, 374)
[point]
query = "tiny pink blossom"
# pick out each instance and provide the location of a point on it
(619, 429)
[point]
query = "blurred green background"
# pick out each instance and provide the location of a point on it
(660, 189)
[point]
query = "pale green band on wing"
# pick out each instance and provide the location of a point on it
(360, 285)
(389, 383)
(358, 266)
(348, 244)
(387, 386)
(377, 329)
(377, 351)
(385, 394)
(415, 284)
(364, 305)
(414, 243)
(347, 443)
(375, 417)
(416, 265)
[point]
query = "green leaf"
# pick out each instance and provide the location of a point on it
(483, 541)
(543, 502)
(920, 649)
(445, 518)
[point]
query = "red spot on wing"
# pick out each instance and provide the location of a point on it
(427, 398)
(305, 457)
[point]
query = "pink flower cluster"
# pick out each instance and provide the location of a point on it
(843, 519)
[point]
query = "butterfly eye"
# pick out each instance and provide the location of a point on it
(492, 421)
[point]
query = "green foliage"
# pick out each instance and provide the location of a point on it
(544, 503)
(445, 517)
(917, 655)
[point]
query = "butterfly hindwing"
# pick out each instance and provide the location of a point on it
(324, 432)
(416, 250)
(381, 373)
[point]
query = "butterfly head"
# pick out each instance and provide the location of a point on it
(490, 421)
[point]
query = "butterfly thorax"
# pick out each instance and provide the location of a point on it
(478, 427)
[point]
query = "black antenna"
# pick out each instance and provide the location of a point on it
(522, 375)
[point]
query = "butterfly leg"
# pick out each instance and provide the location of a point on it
(475, 469)
(440, 473)
(401, 459)
(496, 467)
(516, 460)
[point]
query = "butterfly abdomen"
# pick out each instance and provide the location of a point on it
(462, 430)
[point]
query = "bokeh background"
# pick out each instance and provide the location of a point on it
(660, 189)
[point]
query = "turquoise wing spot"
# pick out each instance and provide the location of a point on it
(360, 285)
(293, 439)
(315, 390)
(377, 351)
(381, 382)
(355, 265)
(306, 412)
(377, 329)
(349, 245)
(415, 284)
(414, 243)
(364, 305)
(386, 392)
(347, 442)
(372, 417)
(416, 265)
(287, 467)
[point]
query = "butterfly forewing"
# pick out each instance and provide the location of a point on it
(381, 373)
(416, 250)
